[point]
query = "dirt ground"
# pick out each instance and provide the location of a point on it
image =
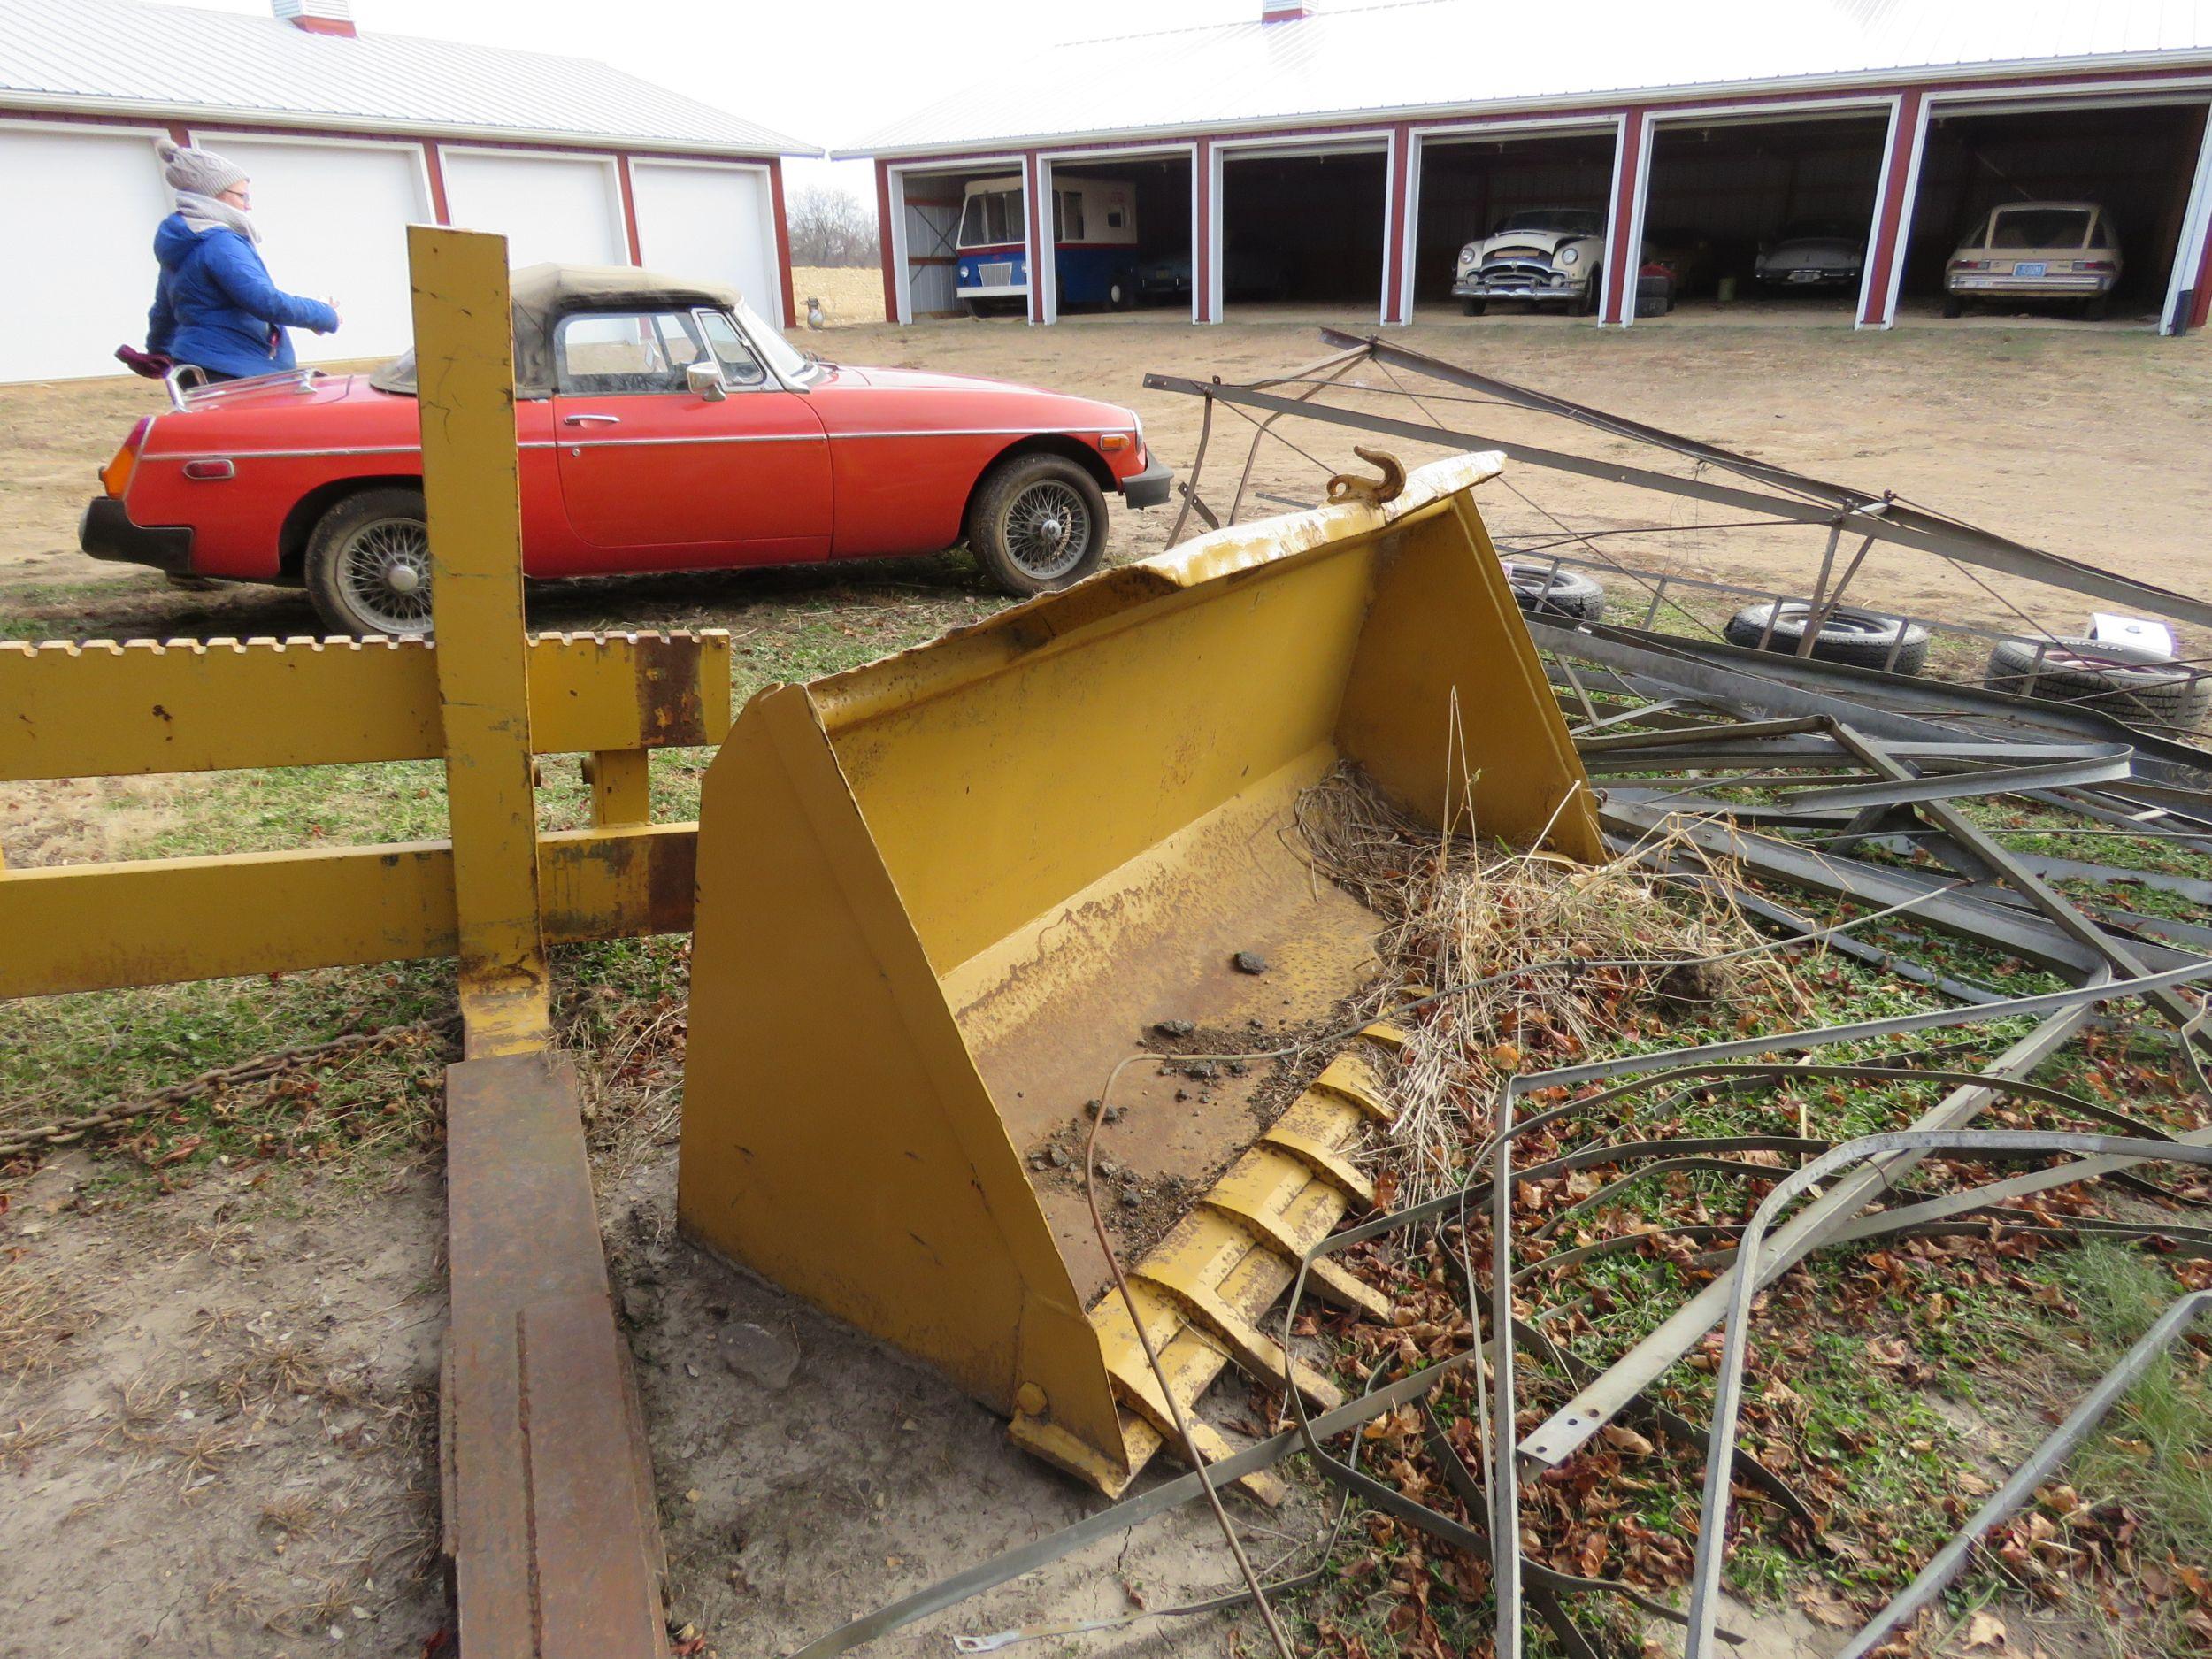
(2088, 441)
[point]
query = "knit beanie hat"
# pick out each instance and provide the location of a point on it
(201, 171)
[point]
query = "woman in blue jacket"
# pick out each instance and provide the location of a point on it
(214, 306)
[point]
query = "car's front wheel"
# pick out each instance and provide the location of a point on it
(1038, 522)
(368, 564)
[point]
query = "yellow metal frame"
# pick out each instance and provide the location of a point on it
(938, 894)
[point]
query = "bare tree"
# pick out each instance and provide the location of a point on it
(831, 228)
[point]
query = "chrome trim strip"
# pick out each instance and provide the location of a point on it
(636, 443)
(280, 454)
(600, 443)
(992, 432)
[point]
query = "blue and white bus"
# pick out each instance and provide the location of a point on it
(1093, 244)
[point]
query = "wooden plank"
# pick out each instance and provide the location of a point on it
(556, 1552)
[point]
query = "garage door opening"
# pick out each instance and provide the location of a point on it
(2136, 162)
(1779, 211)
(1474, 191)
(1303, 230)
(966, 241)
(1122, 234)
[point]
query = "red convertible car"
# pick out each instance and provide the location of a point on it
(663, 427)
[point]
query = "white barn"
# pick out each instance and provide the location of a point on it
(350, 138)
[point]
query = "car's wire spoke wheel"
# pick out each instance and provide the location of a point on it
(1049, 529)
(384, 569)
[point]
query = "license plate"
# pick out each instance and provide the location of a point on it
(1804, 276)
(2030, 269)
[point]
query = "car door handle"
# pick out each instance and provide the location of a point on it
(586, 421)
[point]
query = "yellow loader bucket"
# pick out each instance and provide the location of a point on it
(941, 895)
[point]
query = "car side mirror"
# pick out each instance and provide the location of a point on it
(705, 379)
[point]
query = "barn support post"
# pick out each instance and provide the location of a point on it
(890, 245)
(628, 196)
(1625, 218)
(1205, 288)
(783, 240)
(1037, 226)
(2192, 253)
(1044, 265)
(1402, 196)
(1898, 191)
(434, 170)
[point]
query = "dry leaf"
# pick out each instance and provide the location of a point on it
(1985, 1630)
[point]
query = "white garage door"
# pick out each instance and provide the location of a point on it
(547, 207)
(333, 222)
(710, 222)
(86, 203)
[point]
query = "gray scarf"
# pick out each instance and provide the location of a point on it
(207, 213)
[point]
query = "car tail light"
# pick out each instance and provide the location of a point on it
(2095, 264)
(1972, 265)
(115, 477)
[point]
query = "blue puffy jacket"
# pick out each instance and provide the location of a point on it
(216, 307)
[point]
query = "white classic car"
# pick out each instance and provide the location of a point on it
(1542, 254)
(1813, 255)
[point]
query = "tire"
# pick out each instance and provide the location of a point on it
(1121, 293)
(1859, 639)
(1473, 308)
(368, 564)
(2096, 310)
(1953, 306)
(2130, 684)
(1586, 304)
(1542, 591)
(1021, 524)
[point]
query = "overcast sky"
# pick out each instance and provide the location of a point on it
(827, 71)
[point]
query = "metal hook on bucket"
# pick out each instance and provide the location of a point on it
(1350, 486)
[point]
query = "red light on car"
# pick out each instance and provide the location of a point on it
(2095, 264)
(115, 477)
(1971, 264)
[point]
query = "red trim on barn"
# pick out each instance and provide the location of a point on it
(434, 167)
(783, 240)
(629, 209)
(886, 242)
(325, 26)
(2200, 310)
(1620, 267)
(1395, 234)
(1890, 230)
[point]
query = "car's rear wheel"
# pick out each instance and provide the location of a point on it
(368, 564)
(1037, 523)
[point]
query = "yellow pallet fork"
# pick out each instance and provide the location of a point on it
(941, 895)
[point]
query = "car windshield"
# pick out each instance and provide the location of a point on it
(789, 362)
(2039, 228)
(1581, 221)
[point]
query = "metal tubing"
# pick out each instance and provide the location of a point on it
(2040, 1465)
(1728, 1385)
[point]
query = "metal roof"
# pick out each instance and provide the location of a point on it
(1451, 55)
(116, 57)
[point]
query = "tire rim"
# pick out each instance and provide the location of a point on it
(2111, 668)
(384, 573)
(1048, 529)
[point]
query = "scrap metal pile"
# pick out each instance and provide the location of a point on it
(1840, 809)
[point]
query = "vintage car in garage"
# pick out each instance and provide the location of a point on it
(1547, 255)
(1811, 257)
(662, 426)
(2035, 250)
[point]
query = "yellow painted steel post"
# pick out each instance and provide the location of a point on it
(464, 368)
(621, 787)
